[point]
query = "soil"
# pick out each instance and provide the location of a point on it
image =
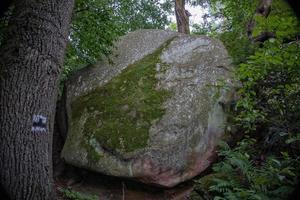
(113, 188)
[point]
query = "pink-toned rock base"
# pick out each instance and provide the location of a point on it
(158, 175)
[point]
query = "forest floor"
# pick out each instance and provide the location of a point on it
(96, 186)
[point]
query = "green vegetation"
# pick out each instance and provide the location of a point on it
(122, 111)
(74, 195)
(97, 24)
(261, 161)
(244, 174)
(280, 21)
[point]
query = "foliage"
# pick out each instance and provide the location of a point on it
(270, 88)
(172, 26)
(74, 195)
(262, 162)
(246, 175)
(226, 22)
(97, 24)
(210, 25)
(280, 21)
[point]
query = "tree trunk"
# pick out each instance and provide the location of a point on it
(182, 17)
(30, 63)
(263, 9)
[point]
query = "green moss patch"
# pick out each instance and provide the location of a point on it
(122, 111)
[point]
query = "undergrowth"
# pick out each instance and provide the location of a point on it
(74, 195)
(261, 161)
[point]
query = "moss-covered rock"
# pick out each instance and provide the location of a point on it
(151, 113)
(122, 111)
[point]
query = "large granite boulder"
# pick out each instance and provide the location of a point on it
(151, 112)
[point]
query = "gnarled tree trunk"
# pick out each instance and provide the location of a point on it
(30, 63)
(182, 17)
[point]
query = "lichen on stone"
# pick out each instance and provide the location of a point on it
(121, 112)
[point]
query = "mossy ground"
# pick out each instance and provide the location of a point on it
(122, 111)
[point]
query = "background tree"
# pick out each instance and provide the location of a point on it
(30, 64)
(182, 17)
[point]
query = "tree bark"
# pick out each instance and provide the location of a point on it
(182, 17)
(263, 9)
(30, 63)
